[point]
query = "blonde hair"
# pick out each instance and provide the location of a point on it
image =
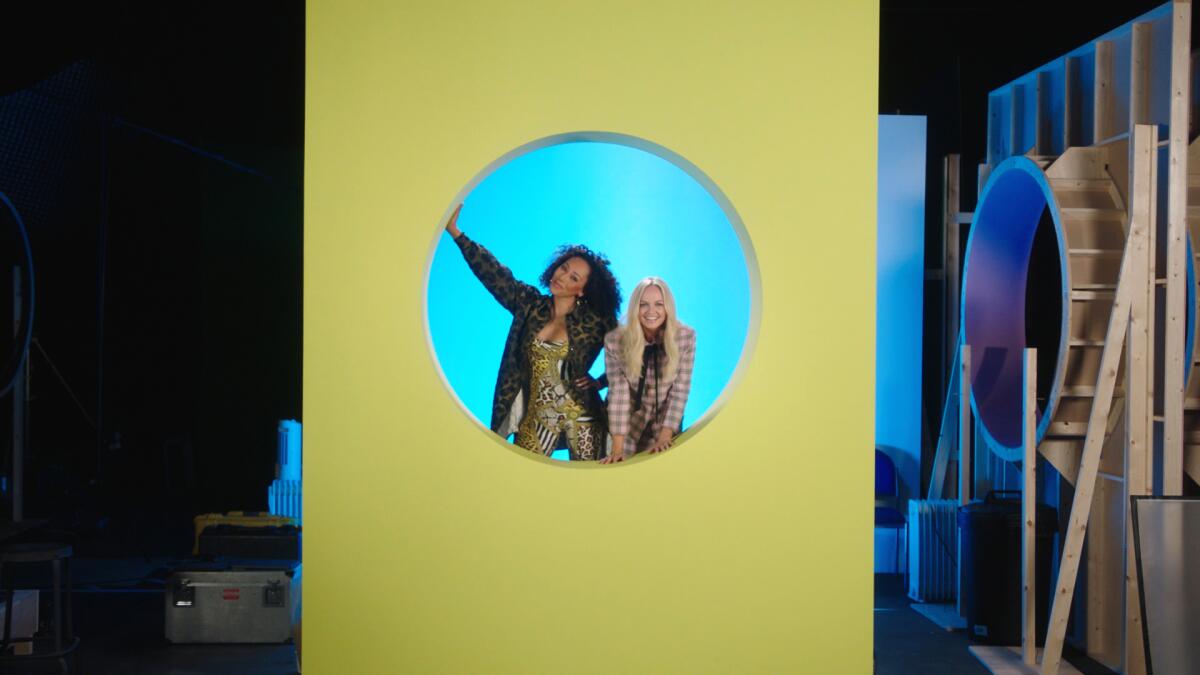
(633, 338)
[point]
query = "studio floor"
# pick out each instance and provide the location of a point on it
(119, 617)
(907, 643)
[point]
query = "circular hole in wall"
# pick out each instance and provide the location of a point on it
(648, 212)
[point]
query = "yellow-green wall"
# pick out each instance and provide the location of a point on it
(432, 548)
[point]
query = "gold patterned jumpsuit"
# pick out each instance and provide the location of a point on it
(552, 412)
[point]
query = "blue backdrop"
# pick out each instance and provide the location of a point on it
(900, 270)
(642, 211)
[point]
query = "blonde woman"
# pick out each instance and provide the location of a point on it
(649, 361)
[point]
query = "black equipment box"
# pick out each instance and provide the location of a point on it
(991, 567)
(280, 542)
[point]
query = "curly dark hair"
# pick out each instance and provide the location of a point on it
(601, 292)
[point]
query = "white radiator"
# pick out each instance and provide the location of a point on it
(932, 549)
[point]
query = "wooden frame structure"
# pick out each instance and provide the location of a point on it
(1091, 135)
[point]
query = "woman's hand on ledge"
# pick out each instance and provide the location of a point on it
(617, 452)
(663, 441)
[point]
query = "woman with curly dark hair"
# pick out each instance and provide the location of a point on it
(543, 392)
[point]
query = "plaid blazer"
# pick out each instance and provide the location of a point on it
(531, 312)
(662, 405)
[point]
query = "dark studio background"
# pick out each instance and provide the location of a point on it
(155, 152)
(940, 59)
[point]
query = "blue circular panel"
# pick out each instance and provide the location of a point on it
(993, 303)
(647, 214)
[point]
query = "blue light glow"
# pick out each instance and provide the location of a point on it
(900, 255)
(644, 212)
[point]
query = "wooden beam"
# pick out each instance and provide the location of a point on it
(1029, 509)
(1085, 484)
(946, 441)
(1016, 120)
(1102, 95)
(1176, 272)
(1008, 661)
(1194, 117)
(941, 462)
(1072, 104)
(995, 139)
(964, 449)
(964, 426)
(1139, 374)
(950, 264)
(1102, 607)
(1139, 74)
(981, 460)
(1043, 138)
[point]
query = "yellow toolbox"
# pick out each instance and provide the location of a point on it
(238, 519)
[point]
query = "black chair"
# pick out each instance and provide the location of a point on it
(63, 640)
(887, 501)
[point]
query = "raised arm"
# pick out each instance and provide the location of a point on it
(496, 278)
(452, 224)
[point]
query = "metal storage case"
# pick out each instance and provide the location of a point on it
(229, 605)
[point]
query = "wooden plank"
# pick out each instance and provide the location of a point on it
(950, 179)
(1064, 455)
(1191, 460)
(1008, 661)
(941, 462)
(1139, 374)
(1072, 104)
(1097, 427)
(950, 412)
(981, 460)
(1194, 117)
(1176, 273)
(1016, 120)
(1105, 585)
(995, 140)
(964, 425)
(1102, 96)
(1029, 509)
(1079, 163)
(1112, 455)
(1139, 75)
(964, 449)
(1043, 139)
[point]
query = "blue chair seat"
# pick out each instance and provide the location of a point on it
(887, 500)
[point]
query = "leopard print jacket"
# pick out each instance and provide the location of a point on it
(531, 312)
